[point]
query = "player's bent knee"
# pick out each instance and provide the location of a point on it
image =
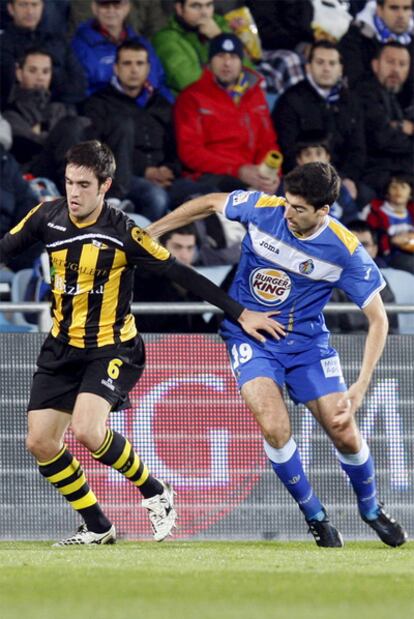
(42, 449)
(91, 438)
(347, 441)
(276, 436)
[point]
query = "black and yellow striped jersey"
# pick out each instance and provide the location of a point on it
(91, 270)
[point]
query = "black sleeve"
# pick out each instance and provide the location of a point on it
(145, 253)
(201, 286)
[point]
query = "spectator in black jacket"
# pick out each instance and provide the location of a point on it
(135, 120)
(376, 24)
(69, 82)
(322, 103)
(389, 126)
(283, 24)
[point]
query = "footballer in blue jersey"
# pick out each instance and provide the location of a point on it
(292, 256)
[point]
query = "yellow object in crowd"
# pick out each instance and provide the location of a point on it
(271, 164)
(242, 23)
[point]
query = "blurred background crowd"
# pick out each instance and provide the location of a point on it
(195, 96)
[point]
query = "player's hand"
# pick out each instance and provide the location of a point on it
(253, 322)
(342, 415)
(350, 401)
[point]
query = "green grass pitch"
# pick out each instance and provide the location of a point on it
(206, 580)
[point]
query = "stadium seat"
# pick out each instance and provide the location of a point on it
(18, 290)
(215, 274)
(402, 285)
(6, 276)
(8, 327)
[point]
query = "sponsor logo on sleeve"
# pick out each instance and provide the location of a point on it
(240, 198)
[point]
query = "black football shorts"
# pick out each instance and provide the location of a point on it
(64, 371)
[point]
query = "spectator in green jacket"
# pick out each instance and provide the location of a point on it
(183, 44)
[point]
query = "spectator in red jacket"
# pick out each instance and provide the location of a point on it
(224, 130)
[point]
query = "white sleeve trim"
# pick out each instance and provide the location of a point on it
(372, 295)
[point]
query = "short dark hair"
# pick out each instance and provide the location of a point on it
(317, 183)
(312, 138)
(359, 225)
(395, 44)
(32, 51)
(402, 177)
(94, 155)
(188, 229)
(323, 44)
(133, 44)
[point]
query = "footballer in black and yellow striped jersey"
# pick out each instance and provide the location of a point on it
(91, 270)
(93, 355)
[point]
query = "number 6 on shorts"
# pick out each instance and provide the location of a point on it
(113, 368)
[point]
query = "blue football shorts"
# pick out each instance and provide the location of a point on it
(308, 375)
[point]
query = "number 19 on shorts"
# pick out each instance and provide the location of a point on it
(241, 354)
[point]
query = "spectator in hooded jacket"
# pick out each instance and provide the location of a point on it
(24, 31)
(223, 126)
(95, 42)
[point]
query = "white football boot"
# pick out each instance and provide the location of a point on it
(161, 512)
(83, 536)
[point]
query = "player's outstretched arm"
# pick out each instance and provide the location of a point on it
(374, 345)
(190, 211)
(256, 324)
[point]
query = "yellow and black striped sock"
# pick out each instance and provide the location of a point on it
(65, 473)
(117, 451)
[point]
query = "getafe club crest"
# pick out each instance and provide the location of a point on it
(307, 267)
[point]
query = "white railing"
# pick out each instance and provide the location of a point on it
(43, 309)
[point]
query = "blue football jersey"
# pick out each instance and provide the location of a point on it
(280, 271)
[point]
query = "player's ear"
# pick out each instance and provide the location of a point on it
(105, 186)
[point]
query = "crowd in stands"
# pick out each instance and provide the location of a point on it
(194, 96)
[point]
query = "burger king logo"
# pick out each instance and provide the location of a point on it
(270, 286)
